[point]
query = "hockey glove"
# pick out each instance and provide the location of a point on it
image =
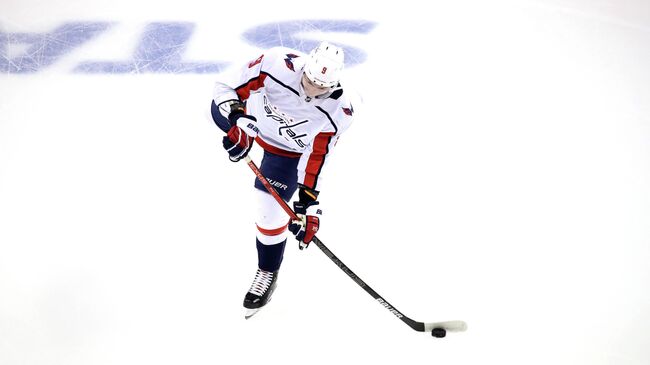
(305, 229)
(239, 139)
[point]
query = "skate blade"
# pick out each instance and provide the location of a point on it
(251, 312)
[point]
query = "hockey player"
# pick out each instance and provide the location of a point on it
(293, 106)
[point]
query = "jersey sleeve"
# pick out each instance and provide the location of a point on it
(238, 85)
(314, 159)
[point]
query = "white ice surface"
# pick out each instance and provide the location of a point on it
(499, 174)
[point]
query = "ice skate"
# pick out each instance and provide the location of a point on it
(260, 292)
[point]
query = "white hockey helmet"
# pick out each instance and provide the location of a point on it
(324, 65)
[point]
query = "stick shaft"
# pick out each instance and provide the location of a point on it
(270, 188)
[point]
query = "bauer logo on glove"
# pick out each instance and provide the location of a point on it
(239, 140)
(306, 228)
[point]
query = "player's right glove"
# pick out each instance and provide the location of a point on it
(239, 139)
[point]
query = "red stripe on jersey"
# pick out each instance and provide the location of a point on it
(317, 159)
(275, 150)
(271, 232)
(244, 91)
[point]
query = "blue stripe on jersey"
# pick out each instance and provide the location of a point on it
(336, 130)
(280, 83)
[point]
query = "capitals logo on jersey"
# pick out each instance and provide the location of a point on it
(287, 125)
(288, 61)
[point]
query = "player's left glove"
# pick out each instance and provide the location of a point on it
(305, 229)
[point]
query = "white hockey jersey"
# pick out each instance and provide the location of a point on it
(290, 123)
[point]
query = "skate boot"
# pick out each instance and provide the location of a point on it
(260, 292)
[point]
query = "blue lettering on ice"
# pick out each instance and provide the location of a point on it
(161, 46)
(44, 49)
(292, 34)
(160, 50)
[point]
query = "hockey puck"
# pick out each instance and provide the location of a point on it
(438, 332)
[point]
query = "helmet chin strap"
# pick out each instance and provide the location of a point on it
(325, 95)
(321, 96)
(329, 92)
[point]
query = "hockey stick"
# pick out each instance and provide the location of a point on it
(437, 329)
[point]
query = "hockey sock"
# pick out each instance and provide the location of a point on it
(269, 257)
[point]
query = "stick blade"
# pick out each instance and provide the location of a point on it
(449, 326)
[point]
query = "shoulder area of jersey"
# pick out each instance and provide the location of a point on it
(349, 106)
(282, 56)
(341, 108)
(280, 51)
